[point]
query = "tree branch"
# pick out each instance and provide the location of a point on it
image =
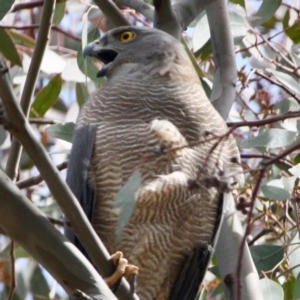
(25, 224)
(139, 6)
(186, 11)
(112, 12)
(288, 115)
(20, 128)
(165, 18)
(38, 178)
(34, 68)
(223, 92)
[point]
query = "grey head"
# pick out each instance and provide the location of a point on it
(132, 51)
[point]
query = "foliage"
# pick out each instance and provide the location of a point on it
(266, 37)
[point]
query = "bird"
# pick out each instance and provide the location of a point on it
(152, 117)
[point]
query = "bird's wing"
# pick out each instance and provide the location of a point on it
(77, 174)
(187, 284)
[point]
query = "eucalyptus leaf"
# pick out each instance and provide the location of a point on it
(125, 201)
(38, 284)
(271, 290)
(59, 12)
(287, 80)
(62, 131)
(22, 39)
(294, 254)
(239, 25)
(272, 138)
(265, 11)
(81, 93)
(8, 48)
(3, 135)
(5, 6)
(275, 193)
(46, 97)
(296, 294)
(201, 33)
(266, 257)
(239, 2)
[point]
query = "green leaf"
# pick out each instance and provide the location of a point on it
(239, 25)
(275, 193)
(46, 97)
(271, 138)
(287, 80)
(239, 2)
(271, 290)
(22, 39)
(297, 159)
(296, 295)
(294, 254)
(62, 131)
(5, 6)
(59, 12)
(7, 47)
(201, 33)
(91, 69)
(125, 201)
(291, 31)
(81, 93)
(265, 12)
(266, 257)
(19, 252)
(38, 284)
(3, 135)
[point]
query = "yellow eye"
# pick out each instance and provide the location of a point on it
(126, 36)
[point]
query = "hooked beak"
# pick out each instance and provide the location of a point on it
(100, 52)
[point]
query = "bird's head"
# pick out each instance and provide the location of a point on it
(129, 50)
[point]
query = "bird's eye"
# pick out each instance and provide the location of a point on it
(126, 36)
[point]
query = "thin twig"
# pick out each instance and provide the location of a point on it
(278, 83)
(41, 121)
(12, 270)
(38, 178)
(37, 26)
(288, 115)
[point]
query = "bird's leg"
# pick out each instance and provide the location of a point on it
(123, 269)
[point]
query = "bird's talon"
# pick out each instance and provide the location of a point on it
(122, 269)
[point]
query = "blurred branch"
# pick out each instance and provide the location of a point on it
(41, 121)
(240, 277)
(37, 26)
(139, 6)
(264, 156)
(165, 18)
(38, 178)
(227, 251)
(288, 115)
(34, 68)
(112, 12)
(224, 83)
(19, 219)
(187, 10)
(29, 5)
(284, 87)
(18, 125)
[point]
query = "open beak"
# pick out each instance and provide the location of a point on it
(100, 52)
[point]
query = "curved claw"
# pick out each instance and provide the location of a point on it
(123, 269)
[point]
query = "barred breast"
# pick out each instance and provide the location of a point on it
(169, 219)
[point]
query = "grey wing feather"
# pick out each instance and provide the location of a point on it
(187, 284)
(77, 174)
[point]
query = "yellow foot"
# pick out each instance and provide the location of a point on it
(123, 269)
